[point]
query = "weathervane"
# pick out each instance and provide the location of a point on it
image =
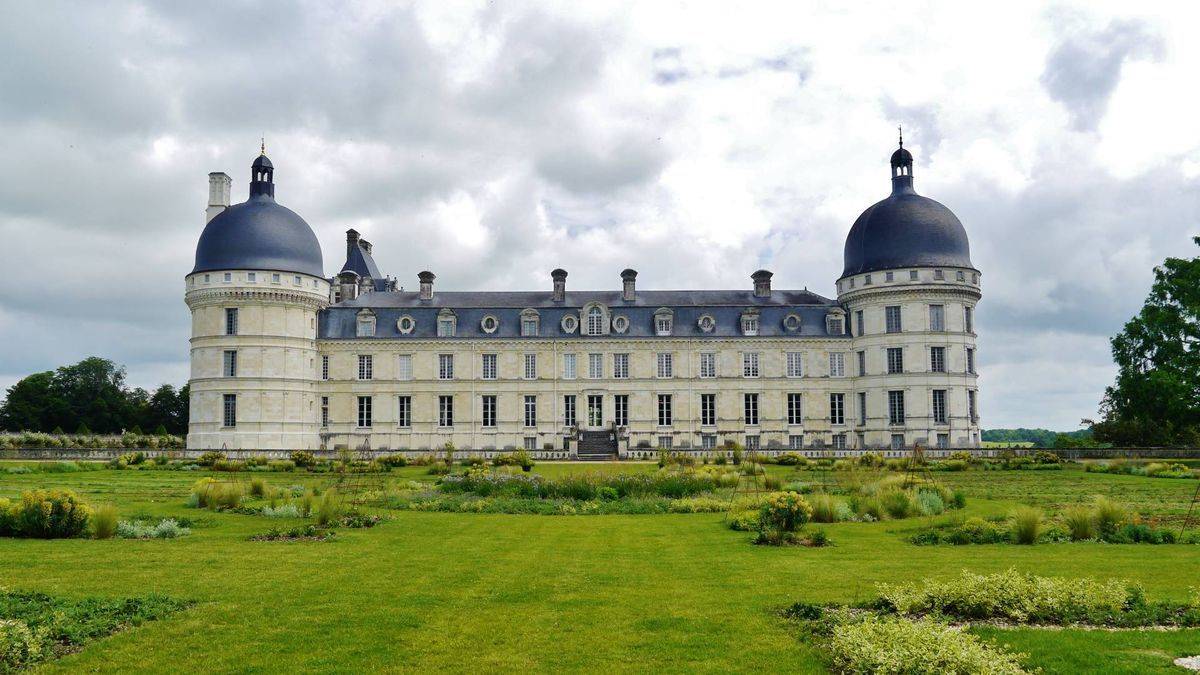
(262, 149)
(900, 128)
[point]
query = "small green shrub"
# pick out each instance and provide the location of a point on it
(210, 457)
(48, 514)
(824, 508)
(1026, 524)
(869, 507)
(785, 512)
(208, 493)
(104, 521)
(281, 465)
(930, 503)
(1108, 515)
(20, 646)
(281, 511)
(743, 521)
(894, 645)
(897, 503)
(303, 459)
(330, 508)
(258, 487)
(772, 482)
(168, 528)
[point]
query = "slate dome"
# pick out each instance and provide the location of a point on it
(259, 234)
(905, 230)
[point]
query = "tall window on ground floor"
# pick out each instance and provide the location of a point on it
(488, 416)
(445, 411)
(862, 407)
(569, 410)
(750, 405)
(621, 410)
(229, 410)
(531, 411)
(795, 409)
(664, 410)
(324, 411)
(837, 408)
(708, 410)
(404, 411)
(895, 407)
(364, 411)
(939, 406)
(971, 409)
(795, 442)
(839, 441)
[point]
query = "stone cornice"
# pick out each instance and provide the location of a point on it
(911, 292)
(216, 296)
(583, 344)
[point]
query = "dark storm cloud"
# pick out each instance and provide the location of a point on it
(1083, 70)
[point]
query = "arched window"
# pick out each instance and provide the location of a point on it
(595, 321)
(366, 324)
(447, 323)
(529, 323)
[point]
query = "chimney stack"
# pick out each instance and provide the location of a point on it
(426, 278)
(351, 242)
(628, 281)
(348, 285)
(762, 283)
(218, 194)
(560, 284)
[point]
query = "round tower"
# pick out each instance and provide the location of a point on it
(910, 290)
(254, 294)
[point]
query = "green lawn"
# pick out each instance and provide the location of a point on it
(464, 592)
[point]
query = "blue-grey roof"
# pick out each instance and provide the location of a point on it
(906, 230)
(361, 262)
(726, 307)
(259, 234)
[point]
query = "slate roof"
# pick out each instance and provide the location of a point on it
(362, 263)
(726, 307)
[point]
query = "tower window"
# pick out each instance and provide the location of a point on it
(229, 410)
(939, 406)
(937, 318)
(896, 407)
(230, 363)
(912, 275)
(895, 360)
(324, 366)
(892, 317)
(231, 321)
(324, 411)
(937, 359)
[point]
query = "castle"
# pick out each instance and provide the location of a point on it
(284, 357)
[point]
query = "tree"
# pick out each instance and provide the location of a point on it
(1156, 397)
(28, 403)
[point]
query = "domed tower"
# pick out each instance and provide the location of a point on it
(254, 294)
(911, 290)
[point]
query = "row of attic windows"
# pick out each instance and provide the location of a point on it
(596, 322)
(913, 275)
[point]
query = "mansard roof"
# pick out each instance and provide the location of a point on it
(726, 308)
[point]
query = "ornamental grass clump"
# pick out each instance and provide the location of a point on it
(824, 508)
(208, 493)
(104, 521)
(895, 645)
(1080, 522)
(1108, 515)
(1026, 524)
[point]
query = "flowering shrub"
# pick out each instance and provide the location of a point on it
(20, 646)
(785, 512)
(168, 528)
(44, 514)
(303, 459)
(894, 645)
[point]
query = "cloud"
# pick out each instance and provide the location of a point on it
(491, 143)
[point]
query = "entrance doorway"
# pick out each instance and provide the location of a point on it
(595, 411)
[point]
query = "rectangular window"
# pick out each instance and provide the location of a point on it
(749, 364)
(795, 442)
(708, 410)
(837, 408)
(529, 326)
(895, 360)
(662, 325)
(970, 360)
(230, 410)
(895, 407)
(324, 411)
(859, 324)
(569, 410)
(531, 411)
(445, 328)
(888, 276)
(404, 367)
(892, 315)
(364, 411)
(275, 278)
(897, 441)
(569, 366)
(837, 364)
(708, 364)
(230, 363)
(753, 442)
(968, 320)
(912, 275)
(231, 321)
(943, 440)
(404, 411)
(251, 277)
(530, 443)
(939, 274)
(489, 367)
(664, 410)
(595, 366)
(595, 410)
(445, 411)
(795, 364)
(489, 410)
(795, 409)
(365, 367)
(750, 404)
(937, 359)
(749, 325)
(839, 441)
(296, 281)
(708, 441)
(229, 276)
(862, 363)
(620, 366)
(862, 407)
(665, 364)
(937, 318)
(531, 366)
(666, 442)
(621, 410)
(324, 366)
(971, 410)
(939, 406)
(445, 366)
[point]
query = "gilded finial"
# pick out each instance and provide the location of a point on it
(262, 149)
(900, 128)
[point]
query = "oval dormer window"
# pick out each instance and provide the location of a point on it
(706, 323)
(791, 323)
(406, 324)
(620, 324)
(489, 324)
(569, 324)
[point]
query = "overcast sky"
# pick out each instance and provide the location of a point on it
(696, 143)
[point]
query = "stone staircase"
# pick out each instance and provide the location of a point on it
(597, 446)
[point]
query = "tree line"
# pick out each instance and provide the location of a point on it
(91, 397)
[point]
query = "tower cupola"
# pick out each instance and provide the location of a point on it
(902, 163)
(262, 181)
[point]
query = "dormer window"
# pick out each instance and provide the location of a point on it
(834, 322)
(620, 324)
(229, 276)
(489, 324)
(274, 278)
(939, 275)
(867, 280)
(569, 323)
(447, 323)
(250, 277)
(750, 324)
(791, 323)
(366, 324)
(529, 323)
(663, 322)
(595, 321)
(706, 323)
(406, 324)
